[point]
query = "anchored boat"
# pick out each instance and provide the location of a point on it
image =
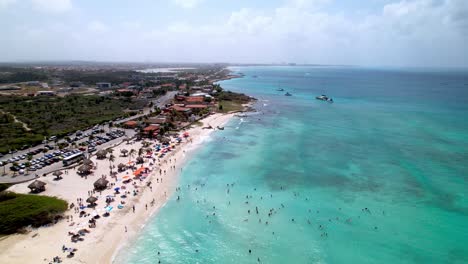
(324, 98)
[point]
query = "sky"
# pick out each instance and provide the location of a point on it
(414, 33)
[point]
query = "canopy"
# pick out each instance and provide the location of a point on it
(36, 185)
(101, 153)
(84, 168)
(139, 171)
(57, 173)
(87, 162)
(91, 199)
(101, 183)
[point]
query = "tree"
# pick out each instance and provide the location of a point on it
(111, 159)
(220, 107)
(132, 152)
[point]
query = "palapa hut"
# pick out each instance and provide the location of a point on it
(37, 186)
(88, 162)
(140, 160)
(91, 200)
(58, 175)
(84, 169)
(124, 152)
(165, 140)
(101, 154)
(121, 166)
(101, 184)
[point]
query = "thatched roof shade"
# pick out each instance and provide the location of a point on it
(101, 154)
(88, 162)
(36, 185)
(91, 199)
(57, 173)
(165, 140)
(84, 168)
(121, 166)
(140, 160)
(101, 183)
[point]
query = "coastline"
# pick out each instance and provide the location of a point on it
(104, 242)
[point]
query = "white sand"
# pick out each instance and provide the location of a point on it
(102, 243)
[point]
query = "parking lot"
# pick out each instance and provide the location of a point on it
(48, 158)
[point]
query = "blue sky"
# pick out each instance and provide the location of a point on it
(430, 33)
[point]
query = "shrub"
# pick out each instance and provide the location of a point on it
(20, 210)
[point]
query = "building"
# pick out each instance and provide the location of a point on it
(157, 120)
(151, 130)
(46, 93)
(195, 99)
(130, 124)
(103, 85)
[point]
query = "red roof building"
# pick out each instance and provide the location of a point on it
(196, 106)
(180, 108)
(130, 124)
(195, 99)
(151, 128)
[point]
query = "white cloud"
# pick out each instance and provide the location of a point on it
(53, 6)
(401, 33)
(187, 3)
(98, 27)
(6, 3)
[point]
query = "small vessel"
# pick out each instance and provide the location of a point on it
(287, 94)
(280, 89)
(254, 76)
(324, 98)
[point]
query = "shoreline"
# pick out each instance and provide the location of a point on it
(103, 243)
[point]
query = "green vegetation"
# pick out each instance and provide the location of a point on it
(13, 75)
(228, 106)
(231, 96)
(4, 186)
(47, 116)
(14, 136)
(21, 210)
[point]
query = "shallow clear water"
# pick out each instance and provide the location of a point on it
(394, 142)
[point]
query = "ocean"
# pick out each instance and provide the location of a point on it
(378, 176)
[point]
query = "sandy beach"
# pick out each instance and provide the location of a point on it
(122, 225)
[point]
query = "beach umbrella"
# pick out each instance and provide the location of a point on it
(124, 152)
(57, 174)
(88, 162)
(84, 168)
(117, 189)
(101, 184)
(91, 199)
(186, 134)
(101, 154)
(37, 186)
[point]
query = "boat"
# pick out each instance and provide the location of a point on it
(287, 94)
(324, 98)
(280, 89)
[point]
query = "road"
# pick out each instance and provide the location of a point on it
(160, 102)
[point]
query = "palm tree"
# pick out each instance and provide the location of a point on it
(111, 159)
(124, 152)
(132, 152)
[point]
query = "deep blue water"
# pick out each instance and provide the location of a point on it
(394, 141)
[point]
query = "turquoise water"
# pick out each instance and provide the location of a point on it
(394, 142)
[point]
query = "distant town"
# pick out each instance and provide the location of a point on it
(51, 112)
